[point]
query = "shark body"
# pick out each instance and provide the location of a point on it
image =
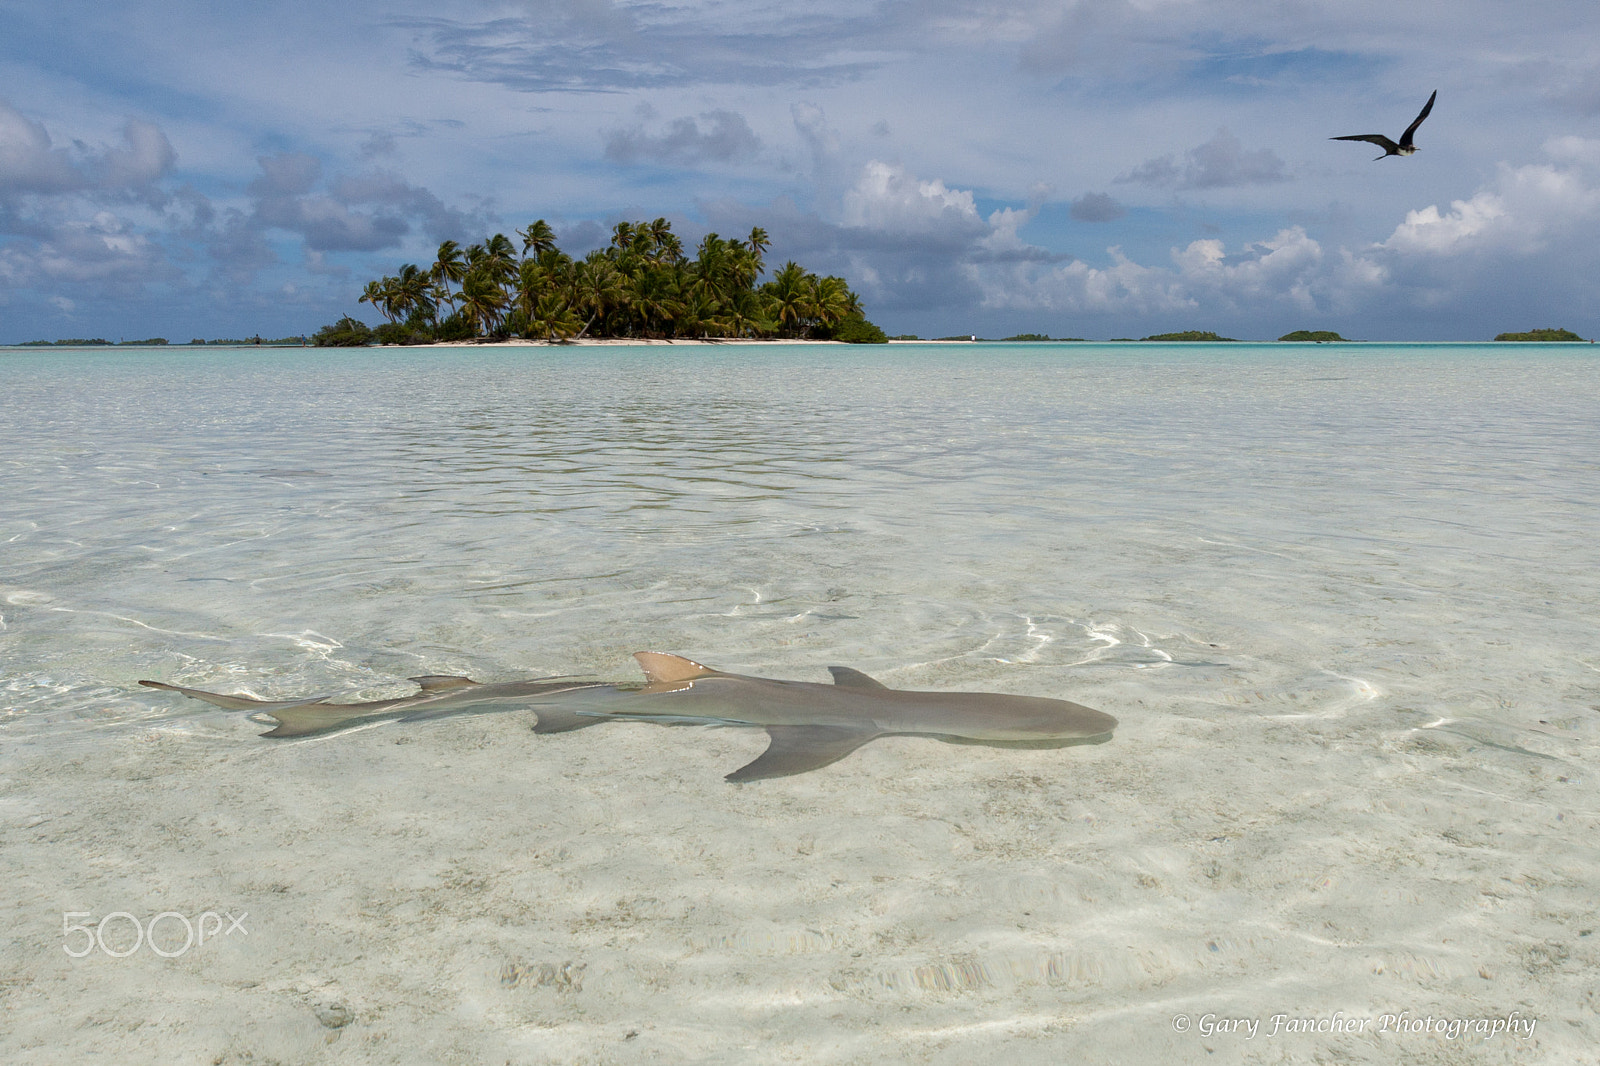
(810, 725)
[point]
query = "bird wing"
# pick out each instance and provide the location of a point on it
(1376, 138)
(1405, 138)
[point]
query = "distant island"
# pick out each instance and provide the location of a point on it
(158, 342)
(1190, 335)
(642, 286)
(1541, 335)
(1320, 336)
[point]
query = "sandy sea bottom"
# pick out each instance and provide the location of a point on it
(1342, 602)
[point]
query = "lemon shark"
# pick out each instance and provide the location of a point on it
(810, 724)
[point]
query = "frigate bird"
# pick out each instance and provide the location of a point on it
(1405, 147)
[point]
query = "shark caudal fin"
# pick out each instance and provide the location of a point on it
(295, 718)
(232, 703)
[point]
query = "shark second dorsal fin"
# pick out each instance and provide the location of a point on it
(845, 677)
(441, 682)
(659, 666)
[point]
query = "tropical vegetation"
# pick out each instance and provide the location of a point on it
(1541, 335)
(1190, 335)
(642, 285)
(1320, 336)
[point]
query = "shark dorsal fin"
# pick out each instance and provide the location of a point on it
(845, 677)
(659, 666)
(441, 682)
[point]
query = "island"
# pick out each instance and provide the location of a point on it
(1319, 336)
(1542, 335)
(1191, 335)
(642, 286)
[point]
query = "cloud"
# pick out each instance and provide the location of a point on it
(1455, 268)
(602, 46)
(28, 161)
(887, 199)
(726, 136)
(31, 163)
(364, 212)
(103, 253)
(1096, 207)
(906, 243)
(1219, 163)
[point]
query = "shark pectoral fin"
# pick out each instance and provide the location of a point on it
(845, 677)
(441, 682)
(798, 748)
(659, 666)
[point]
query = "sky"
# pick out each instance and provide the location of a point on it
(1081, 168)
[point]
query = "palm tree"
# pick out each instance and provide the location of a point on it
(499, 259)
(757, 245)
(447, 267)
(596, 288)
(554, 318)
(790, 294)
(652, 297)
(481, 300)
(538, 238)
(531, 283)
(386, 296)
(374, 294)
(411, 292)
(746, 315)
(711, 266)
(830, 302)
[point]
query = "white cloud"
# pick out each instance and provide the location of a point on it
(31, 163)
(886, 197)
(1428, 231)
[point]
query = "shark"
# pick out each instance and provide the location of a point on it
(809, 724)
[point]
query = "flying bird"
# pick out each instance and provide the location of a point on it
(1405, 147)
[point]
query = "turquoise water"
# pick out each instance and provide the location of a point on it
(1345, 595)
(312, 517)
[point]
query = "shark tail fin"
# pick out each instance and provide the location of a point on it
(659, 666)
(232, 703)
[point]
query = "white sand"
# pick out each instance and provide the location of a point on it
(408, 882)
(1342, 604)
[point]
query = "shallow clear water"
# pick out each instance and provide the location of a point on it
(1385, 551)
(1344, 522)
